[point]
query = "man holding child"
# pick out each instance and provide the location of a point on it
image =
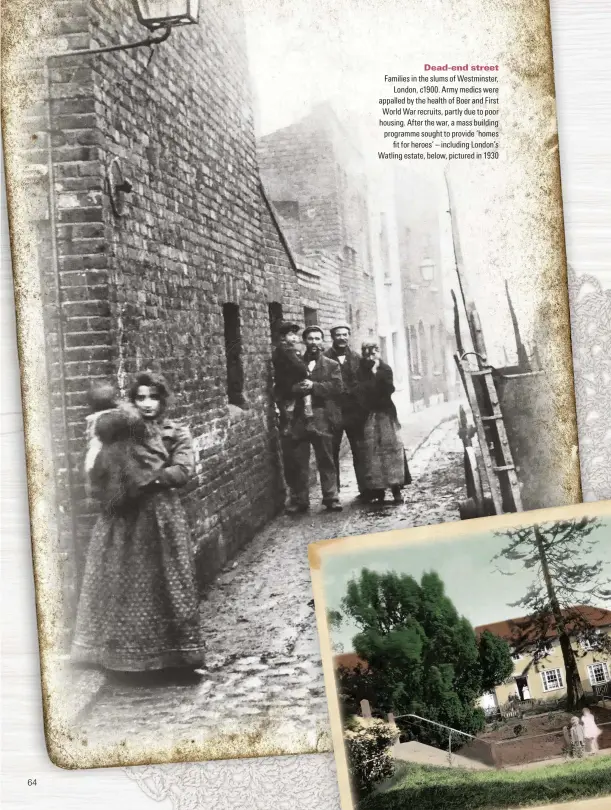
(307, 390)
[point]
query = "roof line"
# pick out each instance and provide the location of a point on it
(272, 211)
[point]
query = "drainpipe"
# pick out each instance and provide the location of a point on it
(60, 314)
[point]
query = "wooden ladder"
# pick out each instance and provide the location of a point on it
(493, 469)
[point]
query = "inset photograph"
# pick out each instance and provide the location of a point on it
(468, 665)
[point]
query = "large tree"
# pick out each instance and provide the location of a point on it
(495, 660)
(422, 657)
(564, 581)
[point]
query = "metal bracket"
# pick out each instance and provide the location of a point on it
(118, 187)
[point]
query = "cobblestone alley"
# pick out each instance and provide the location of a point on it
(263, 666)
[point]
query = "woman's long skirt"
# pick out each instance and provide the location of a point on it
(138, 607)
(384, 455)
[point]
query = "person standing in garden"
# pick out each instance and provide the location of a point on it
(591, 731)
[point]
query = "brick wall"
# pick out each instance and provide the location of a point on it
(64, 182)
(149, 286)
(316, 179)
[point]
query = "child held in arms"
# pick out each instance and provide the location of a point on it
(116, 472)
(289, 369)
(102, 397)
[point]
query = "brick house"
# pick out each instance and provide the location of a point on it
(424, 295)
(545, 679)
(387, 274)
(316, 180)
(188, 270)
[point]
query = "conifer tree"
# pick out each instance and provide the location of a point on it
(564, 581)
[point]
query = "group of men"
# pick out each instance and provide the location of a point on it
(317, 397)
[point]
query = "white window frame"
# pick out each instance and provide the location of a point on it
(605, 668)
(590, 644)
(546, 686)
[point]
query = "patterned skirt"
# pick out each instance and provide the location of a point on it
(383, 453)
(138, 607)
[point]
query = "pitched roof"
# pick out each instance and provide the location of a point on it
(510, 629)
(349, 660)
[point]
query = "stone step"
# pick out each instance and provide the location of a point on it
(422, 754)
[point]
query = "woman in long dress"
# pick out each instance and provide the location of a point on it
(384, 462)
(138, 608)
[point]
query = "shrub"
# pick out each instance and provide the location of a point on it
(368, 742)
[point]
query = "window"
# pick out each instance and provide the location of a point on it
(441, 343)
(423, 358)
(598, 673)
(552, 679)
(516, 656)
(310, 316)
(233, 354)
(548, 647)
(412, 350)
(589, 644)
(434, 362)
(349, 255)
(383, 348)
(409, 349)
(276, 317)
(384, 248)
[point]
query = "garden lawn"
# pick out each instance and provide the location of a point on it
(427, 788)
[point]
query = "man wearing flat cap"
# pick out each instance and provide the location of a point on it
(353, 414)
(324, 386)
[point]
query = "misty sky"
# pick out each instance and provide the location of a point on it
(477, 589)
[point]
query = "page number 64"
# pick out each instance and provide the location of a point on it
(31, 782)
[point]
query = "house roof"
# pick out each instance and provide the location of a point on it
(512, 629)
(349, 660)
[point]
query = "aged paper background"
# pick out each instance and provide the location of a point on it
(581, 34)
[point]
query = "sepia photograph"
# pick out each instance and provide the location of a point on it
(243, 328)
(469, 666)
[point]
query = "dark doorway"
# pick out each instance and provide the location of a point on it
(233, 354)
(522, 687)
(276, 317)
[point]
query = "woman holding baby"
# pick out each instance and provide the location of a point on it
(138, 608)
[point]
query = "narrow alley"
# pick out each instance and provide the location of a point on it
(263, 665)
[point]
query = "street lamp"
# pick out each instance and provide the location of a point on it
(158, 16)
(155, 14)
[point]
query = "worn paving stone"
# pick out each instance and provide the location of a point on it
(270, 666)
